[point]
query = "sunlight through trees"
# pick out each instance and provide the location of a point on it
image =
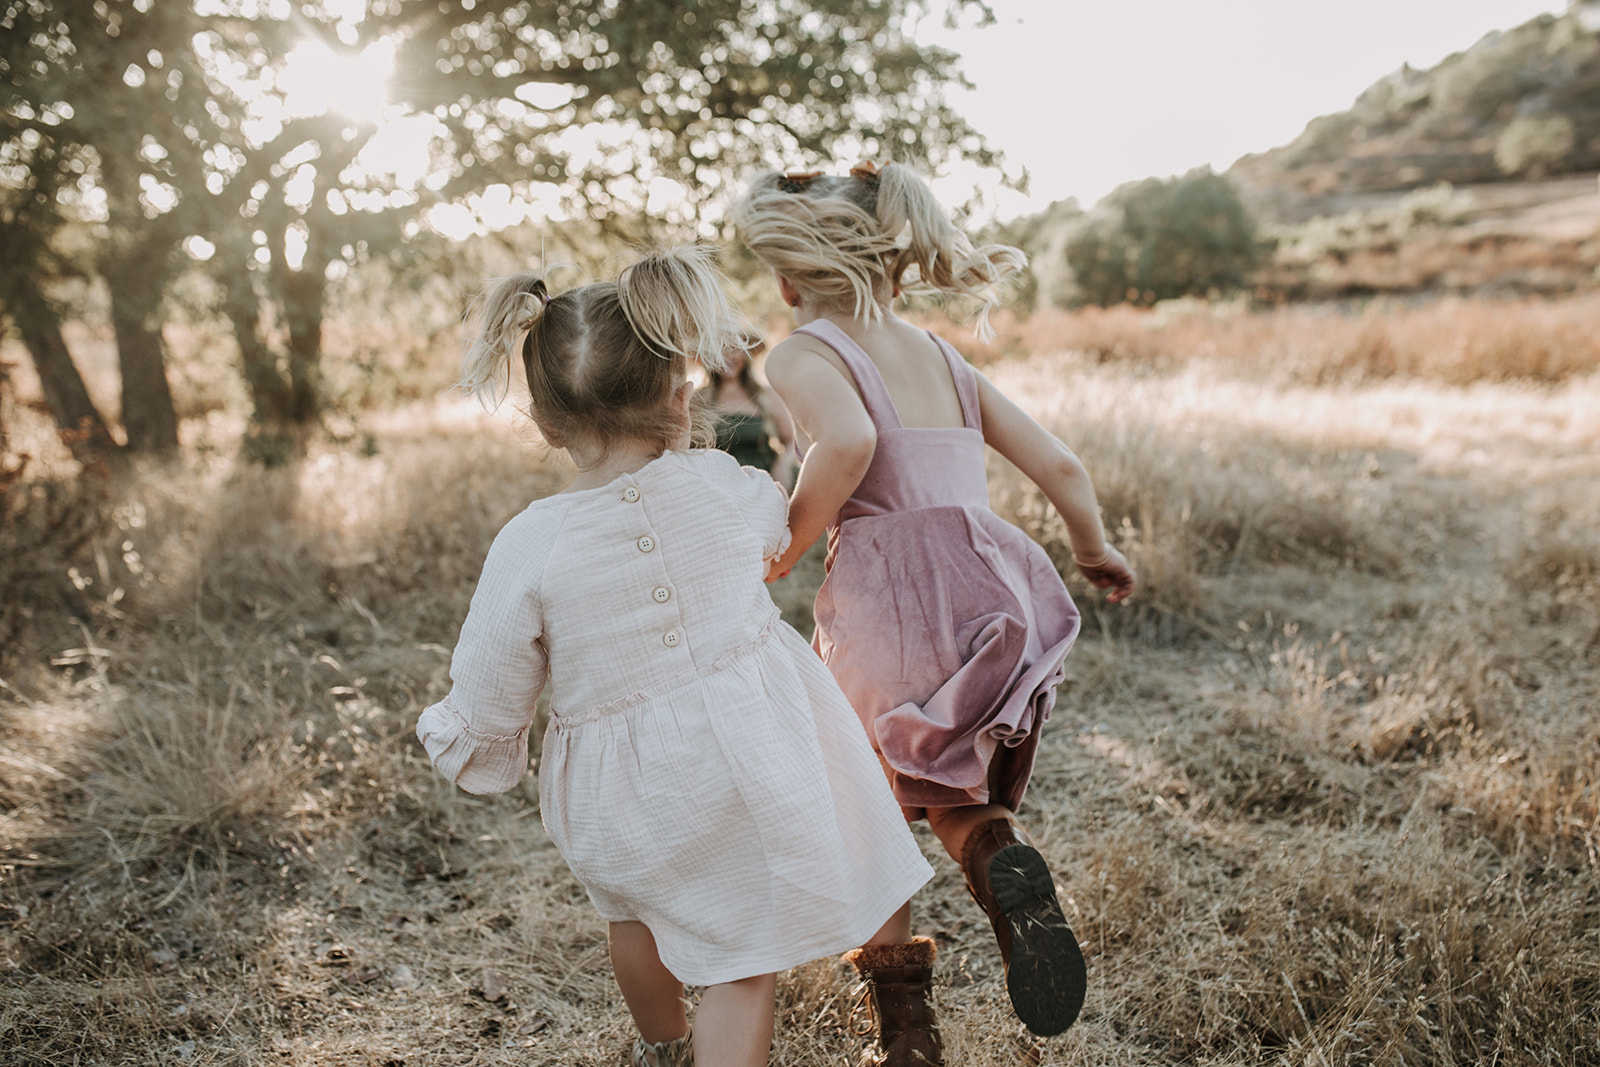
(287, 145)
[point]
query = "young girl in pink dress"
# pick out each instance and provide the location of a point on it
(702, 775)
(945, 625)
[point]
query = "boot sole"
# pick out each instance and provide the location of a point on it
(1046, 978)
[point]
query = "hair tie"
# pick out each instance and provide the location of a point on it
(527, 321)
(867, 171)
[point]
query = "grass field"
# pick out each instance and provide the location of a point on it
(1326, 791)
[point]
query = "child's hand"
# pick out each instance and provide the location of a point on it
(1109, 571)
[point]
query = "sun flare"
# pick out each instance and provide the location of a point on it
(317, 80)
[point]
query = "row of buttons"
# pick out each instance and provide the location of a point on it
(661, 594)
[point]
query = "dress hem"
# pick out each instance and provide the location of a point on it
(778, 962)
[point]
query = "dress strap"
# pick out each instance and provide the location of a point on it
(965, 381)
(874, 394)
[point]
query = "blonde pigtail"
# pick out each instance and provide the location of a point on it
(906, 206)
(675, 302)
(501, 317)
(943, 256)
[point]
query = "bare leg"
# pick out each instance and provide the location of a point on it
(733, 1025)
(654, 995)
(896, 930)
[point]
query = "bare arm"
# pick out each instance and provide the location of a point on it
(783, 424)
(827, 410)
(1061, 476)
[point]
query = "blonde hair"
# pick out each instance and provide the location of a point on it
(602, 360)
(860, 239)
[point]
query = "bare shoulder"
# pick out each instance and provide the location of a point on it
(797, 348)
(819, 390)
(799, 356)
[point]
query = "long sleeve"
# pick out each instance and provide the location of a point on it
(477, 736)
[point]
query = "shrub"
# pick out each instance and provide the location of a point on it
(1164, 238)
(1534, 144)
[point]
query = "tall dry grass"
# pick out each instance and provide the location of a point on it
(1452, 341)
(1327, 791)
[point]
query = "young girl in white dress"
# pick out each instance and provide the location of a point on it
(703, 775)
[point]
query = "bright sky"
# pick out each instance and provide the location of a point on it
(1088, 94)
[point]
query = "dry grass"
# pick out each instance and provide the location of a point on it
(1449, 341)
(1327, 791)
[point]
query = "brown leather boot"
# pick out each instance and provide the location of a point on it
(899, 980)
(1045, 974)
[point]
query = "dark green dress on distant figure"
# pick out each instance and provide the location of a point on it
(747, 439)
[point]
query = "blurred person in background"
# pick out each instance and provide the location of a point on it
(753, 426)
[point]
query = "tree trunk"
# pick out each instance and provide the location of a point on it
(147, 412)
(137, 264)
(275, 436)
(77, 422)
(304, 301)
(269, 392)
(8, 474)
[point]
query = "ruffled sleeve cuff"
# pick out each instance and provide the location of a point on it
(767, 511)
(477, 762)
(784, 538)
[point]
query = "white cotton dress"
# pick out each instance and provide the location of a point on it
(703, 773)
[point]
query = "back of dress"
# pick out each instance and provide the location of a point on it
(656, 577)
(945, 625)
(699, 760)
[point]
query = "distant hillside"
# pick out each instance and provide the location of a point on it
(1522, 103)
(1476, 176)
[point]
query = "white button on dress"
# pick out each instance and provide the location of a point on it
(647, 543)
(631, 494)
(671, 638)
(662, 594)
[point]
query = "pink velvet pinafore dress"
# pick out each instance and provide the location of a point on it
(945, 625)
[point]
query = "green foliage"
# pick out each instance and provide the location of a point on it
(159, 124)
(1048, 279)
(1535, 144)
(1163, 238)
(102, 113)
